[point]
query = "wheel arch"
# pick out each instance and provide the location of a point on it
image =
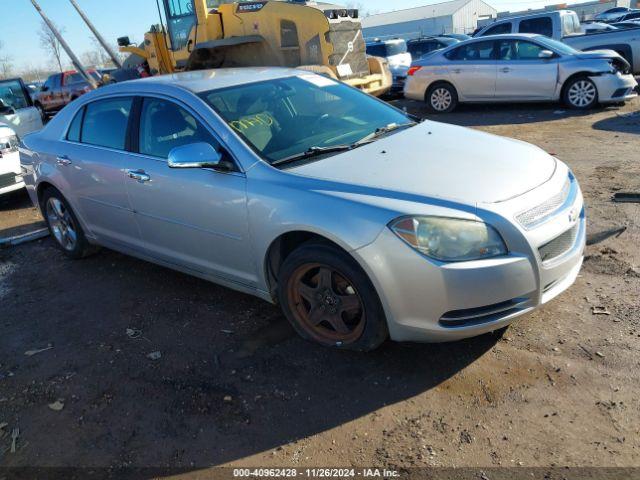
(285, 243)
(440, 81)
(573, 76)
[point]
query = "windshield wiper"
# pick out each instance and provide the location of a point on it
(383, 131)
(316, 151)
(312, 152)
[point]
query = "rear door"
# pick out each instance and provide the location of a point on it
(92, 160)
(193, 217)
(522, 74)
(472, 69)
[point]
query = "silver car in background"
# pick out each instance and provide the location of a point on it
(303, 191)
(519, 68)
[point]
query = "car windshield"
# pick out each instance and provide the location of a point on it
(12, 95)
(555, 45)
(285, 117)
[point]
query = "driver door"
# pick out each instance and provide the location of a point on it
(522, 74)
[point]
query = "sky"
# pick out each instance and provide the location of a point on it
(117, 18)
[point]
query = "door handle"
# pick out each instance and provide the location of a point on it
(63, 160)
(505, 70)
(139, 175)
(456, 70)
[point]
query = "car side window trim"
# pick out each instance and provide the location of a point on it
(135, 130)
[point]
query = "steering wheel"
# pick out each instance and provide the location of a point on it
(319, 121)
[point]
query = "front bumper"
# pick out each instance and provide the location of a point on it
(615, 87)
(430, 301)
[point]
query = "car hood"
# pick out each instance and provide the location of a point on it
(598, 54)
(439, 160)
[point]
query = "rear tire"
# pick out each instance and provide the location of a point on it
(441, 98)
(64, 226)
(328, 299)
(580, 93)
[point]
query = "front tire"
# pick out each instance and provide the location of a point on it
(441, 98)
(328, 299)
(580, 93)
(64, 226)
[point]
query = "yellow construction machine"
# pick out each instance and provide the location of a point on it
(316, 36)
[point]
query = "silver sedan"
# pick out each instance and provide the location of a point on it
(519, 68)
(358, 221)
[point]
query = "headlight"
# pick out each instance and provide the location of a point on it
(9, 144)
(450, 239)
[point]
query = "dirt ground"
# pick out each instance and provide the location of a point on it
(234, 386)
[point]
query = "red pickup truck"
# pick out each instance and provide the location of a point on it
(61, 89)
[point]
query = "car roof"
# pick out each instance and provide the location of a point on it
(203, 80)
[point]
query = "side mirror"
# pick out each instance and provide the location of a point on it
(44, 88)
(546, 54)
(195, 155)
(124, 42)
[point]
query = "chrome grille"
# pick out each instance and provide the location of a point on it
(559, 245)
(536, 215)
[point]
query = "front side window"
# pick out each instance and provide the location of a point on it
(541, 26)
(477, 51)
(288, 116)
(12, 95)
(165, 126)
(498, 29)
(519, 50)
(105, 123)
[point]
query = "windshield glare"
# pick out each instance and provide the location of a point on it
(288, 116)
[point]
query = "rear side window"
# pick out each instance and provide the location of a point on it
(73, 135)
(105, 123)
(498, 29)
(541, 26)
(477, 51)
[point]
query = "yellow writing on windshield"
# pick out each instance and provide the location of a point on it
(258, 120)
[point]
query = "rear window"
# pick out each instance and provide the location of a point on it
(386, 49)
(105, 123)
(541, 26)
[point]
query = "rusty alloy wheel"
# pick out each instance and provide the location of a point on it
(326, 304)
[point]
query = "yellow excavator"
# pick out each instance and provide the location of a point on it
(316, 36)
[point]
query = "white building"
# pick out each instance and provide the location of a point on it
(457, 16)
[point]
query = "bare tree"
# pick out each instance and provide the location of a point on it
(6, 63)
(97, 56)
(50, 43)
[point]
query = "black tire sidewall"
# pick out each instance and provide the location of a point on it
(82, 246)
(565, 94)
(452, 92)
(375, 330)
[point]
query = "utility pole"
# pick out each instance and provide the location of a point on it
(63, 44)
(105, 45)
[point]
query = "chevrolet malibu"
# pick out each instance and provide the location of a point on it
(360, 222)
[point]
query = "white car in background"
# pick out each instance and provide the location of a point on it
(399, 59)
(17, 109)
(10, 171)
